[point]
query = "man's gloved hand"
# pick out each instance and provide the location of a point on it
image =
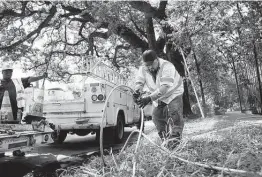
(45, 75)
(136, 95)
(144, 101)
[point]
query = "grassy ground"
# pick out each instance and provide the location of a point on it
(230, 141)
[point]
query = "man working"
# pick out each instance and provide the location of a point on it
(15, 89)
(166, 87)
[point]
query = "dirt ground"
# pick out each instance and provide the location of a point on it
(211, 127)
(216, 126)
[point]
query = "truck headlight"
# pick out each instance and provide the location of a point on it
(94, 97)
(100, 97)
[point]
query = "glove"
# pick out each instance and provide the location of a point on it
(144, 101)
(45, 75)
(136, 95)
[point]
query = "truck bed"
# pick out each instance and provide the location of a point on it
(67, 106)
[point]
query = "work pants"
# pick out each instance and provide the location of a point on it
(168, 118)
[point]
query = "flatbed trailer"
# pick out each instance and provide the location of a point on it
(23, 137)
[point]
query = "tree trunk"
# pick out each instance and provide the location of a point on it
(186, 106)
(172, 55)
(257, 70)
(200, 81)
(199, 75)
(176, 58)
(150, 33)
(238, 92)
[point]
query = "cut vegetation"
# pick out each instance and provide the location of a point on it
(233, 148)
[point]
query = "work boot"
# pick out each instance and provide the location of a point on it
(173, 141)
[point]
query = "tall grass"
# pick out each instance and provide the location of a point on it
(240, 148)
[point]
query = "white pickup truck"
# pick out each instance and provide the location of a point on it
(84, 115)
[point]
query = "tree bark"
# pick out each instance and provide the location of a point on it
(258, 73)
(176, 58)
(200, 80)
(150, 33)
(238, 91)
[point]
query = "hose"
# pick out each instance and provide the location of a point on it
(137, 144)
(102, 121)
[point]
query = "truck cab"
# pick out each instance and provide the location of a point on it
(99, 96)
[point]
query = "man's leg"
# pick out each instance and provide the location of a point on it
(175, 120)
(159, 116)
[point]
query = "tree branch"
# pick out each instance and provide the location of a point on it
(86, 17)
(143, 33)
(38, 30)
(95, 48)
(11, 12)
(129, 36)
(99, 34)
(162, 7)
(123, 31)
(148, 9)
(239, 12)
(67, 53)
(81, 30)
(118, 47)
(73, 44)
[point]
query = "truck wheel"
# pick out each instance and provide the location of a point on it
(108, 133)
(59, 139)
(119, 130)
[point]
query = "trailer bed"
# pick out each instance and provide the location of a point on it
(23, 137)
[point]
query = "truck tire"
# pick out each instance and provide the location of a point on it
(59, 139)
(119, 130)
(109, 134)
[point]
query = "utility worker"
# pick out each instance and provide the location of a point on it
(166, 87)
(15, 89)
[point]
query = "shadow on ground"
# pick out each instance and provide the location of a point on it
(46, 165)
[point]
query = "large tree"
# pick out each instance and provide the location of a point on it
(70, 31)
(215, 36)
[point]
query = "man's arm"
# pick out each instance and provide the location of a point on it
(140, 80)
(159, 92)
(34, 79)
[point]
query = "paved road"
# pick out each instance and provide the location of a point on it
(75, 145)
(45, 159)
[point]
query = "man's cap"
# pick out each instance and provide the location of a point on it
(149, 55)
(7, 66)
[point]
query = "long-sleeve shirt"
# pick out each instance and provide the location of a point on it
(165, 86)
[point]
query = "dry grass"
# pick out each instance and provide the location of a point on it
(240, 148)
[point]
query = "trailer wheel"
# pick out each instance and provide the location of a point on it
(119, 130)
(59, 139)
